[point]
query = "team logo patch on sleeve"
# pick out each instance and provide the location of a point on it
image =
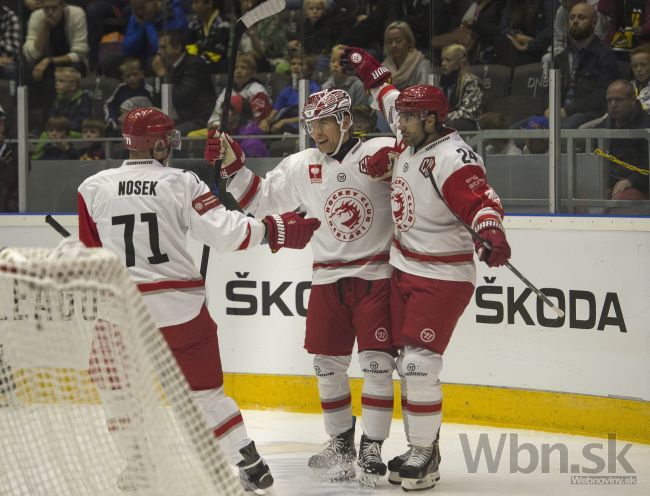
(427, 166)
(315, 173)
(205, 202)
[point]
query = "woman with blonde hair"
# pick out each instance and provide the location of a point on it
(407, 64)
(463, 89)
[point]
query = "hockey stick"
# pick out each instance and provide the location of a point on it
(476, 236)
(56, 226)
(261, 11)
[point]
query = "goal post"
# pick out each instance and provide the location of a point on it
(92, 401)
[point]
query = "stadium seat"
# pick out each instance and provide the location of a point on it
(517, 107)
(495, 80)
(529, 80)
(100, 88)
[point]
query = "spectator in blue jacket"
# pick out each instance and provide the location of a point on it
(148, 18)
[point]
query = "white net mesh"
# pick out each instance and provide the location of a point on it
(73, 331)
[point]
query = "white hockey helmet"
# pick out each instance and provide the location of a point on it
(324, 103)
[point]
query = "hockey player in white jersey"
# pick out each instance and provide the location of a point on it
(350, 283)
(142, 211)
(432, 253)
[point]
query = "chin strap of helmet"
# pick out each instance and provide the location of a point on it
(341, 119)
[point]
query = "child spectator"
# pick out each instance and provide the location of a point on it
(240, 123)
(71, 101)
(284, 116)
(58, 128)
(364, 121)
(640, 62)
(209, 33)
(463, 89)
(133, 84)
(536, 145)
(92, 129)
(249, 88)
(338, 79)
(323, 22)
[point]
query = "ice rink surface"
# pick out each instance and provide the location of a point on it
(287, 440)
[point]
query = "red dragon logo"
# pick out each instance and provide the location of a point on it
(348, 208)
(349, 214)
(398, 198)
(402, 203)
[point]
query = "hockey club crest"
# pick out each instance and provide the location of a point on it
(349, 214)
(402, 204)
(363, 164)
(427, 166)
(315, 173)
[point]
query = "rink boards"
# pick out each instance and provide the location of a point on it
(509, 362)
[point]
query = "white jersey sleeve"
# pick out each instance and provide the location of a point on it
(143, 212)
(354, 210)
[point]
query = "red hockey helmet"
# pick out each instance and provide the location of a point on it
(144, 126)
(423, 97)
(326, 103)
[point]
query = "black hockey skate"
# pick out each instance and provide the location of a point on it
(395, 464)
(254, 473)
(370, 461)
(420, 470)
(336, 461)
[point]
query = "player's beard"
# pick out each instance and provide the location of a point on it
(162, 153)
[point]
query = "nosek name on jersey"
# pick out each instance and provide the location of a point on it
(137, 188)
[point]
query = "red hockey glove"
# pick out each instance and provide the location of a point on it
(499, 251)
(380, 165)
(365, 66)
(220, 146)
(289, 230)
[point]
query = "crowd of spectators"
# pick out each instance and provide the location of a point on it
(135, 45)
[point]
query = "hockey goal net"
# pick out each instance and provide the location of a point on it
(91, 399)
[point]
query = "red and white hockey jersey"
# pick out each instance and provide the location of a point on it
(143, 211)
(429, 241)
(354, 210)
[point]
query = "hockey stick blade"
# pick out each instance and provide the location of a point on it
(56, 226)
(262, 11)
(476, 236)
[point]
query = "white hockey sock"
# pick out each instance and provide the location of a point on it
(424, 395)
(222, 415)
(377, 393)
(334, 391)
(125, 423)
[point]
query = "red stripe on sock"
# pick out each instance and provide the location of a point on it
(223, 429)
(333, 405)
